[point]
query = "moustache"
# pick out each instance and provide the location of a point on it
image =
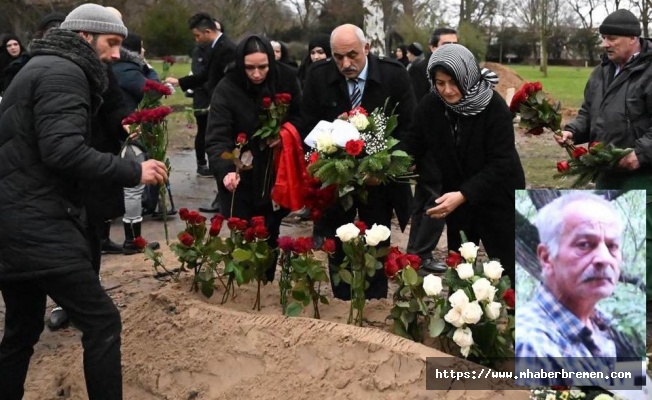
(606, 273)
(349, 69)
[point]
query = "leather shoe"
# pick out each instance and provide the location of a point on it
(213, 208)
(430, 265)
(58, 319)
(110, 247)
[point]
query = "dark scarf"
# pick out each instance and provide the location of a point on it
(458, 62)
(69, 45)
(238, 75)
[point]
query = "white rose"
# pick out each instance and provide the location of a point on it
(325, 143)
(465, 271)
(483, 290)
(463, 337)
(376, 234)
(360, 121)
(432, 285)
(459, 299)
(469, 251)
(347, 232)
(465, 350)
(492, 310)
(472, 313)
(454, 318)
(493, 270)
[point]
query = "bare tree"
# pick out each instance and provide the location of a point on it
(374, 25)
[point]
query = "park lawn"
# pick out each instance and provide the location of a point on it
(565, 84)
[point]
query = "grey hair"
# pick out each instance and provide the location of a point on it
(549, 221)
(359, 33)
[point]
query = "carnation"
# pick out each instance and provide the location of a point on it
(360, 121)
(325, 143)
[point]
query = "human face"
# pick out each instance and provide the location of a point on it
(350, 54)
(317, 53)
(256, 67)
(587, 266)
(447, 88)
(277, 51)
(202, 36)
(107, 46)
(399, 54)
(619, 48)
(13, 48)
(447, 38)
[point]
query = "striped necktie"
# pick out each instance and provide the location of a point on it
(356, 94)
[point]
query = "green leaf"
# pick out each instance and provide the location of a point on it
(240, 255)
(436, 326)
(294, 309)
(323, 299)
(410, 276)
(208, 288)
(346, 276)
(299, 295)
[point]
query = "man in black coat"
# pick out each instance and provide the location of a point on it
(208, 32)
(327, 94)
(44, 242)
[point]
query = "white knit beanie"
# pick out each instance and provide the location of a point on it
(94, 18)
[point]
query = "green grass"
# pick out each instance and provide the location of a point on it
(565, 84)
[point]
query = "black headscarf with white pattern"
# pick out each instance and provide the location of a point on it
(458, 62)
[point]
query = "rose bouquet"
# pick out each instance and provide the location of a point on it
(537, 113)
(361, 260)
(302, 274)
(316, 196)
(149, 121)
(275, 110)
(356, 148)
(586, 165)
(196, 250)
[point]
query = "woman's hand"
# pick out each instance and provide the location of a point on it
(231, 181)
(446, 204)
(274, 142)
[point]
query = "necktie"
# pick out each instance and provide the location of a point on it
(356, 95)
(587, 338)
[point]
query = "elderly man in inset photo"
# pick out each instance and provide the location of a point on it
(580, 253)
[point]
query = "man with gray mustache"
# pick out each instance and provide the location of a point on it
(580, 253)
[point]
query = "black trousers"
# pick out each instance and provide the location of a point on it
(200, 138)
(89, 308)
(424, 230)
(377, 210)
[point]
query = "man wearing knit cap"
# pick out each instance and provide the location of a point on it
(44, 249)
(617, 109)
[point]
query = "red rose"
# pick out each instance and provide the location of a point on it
(579, 152)
(303, 245)
(563, 166)
(249, 235)
(536, 131)
(592, 148)
(285, 243)
(537, 86)
(354, 147)
(510, 298)
(593, 144)
(266, 102)
(412, 260)
(186, 239)
(241, 138)
(193, 216)
(258, 221)
(169, 60)
(283, 98)
(183, 214)
(359, 110)
(315, 215)
(217, 218)
(361, 225)
(236, 224)
(313, 158)
(391, 268)
(140, 242)
(329, 246)
(216, 226)
(260, 232)
(454, 259)
(519, 97)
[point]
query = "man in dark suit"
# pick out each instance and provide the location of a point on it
(329, 91)
(221, 52)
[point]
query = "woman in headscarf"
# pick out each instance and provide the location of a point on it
(468, 127)
(401, 55)
(10, 52)
(235, 108)
(319, 48)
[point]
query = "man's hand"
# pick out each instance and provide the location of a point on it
(565, 138)
(630, 162)
(172, 81)
(446, 204)
(153, 172)
(371, 181)
(231, 181)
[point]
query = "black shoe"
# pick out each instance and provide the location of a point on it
(159, 215)
(110, 247)
(129, 247)
(213, 208)
(203, 171)
(58, 319)
(430, 265)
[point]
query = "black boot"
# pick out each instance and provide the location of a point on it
(132, 230)
(108, 246)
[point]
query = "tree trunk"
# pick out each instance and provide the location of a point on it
(374, 26)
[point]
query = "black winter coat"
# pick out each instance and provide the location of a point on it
(44, 121)
(326, 96)
(233, 110)
(221, 55)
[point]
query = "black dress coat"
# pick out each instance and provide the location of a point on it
(484, 167)
(221, 55)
